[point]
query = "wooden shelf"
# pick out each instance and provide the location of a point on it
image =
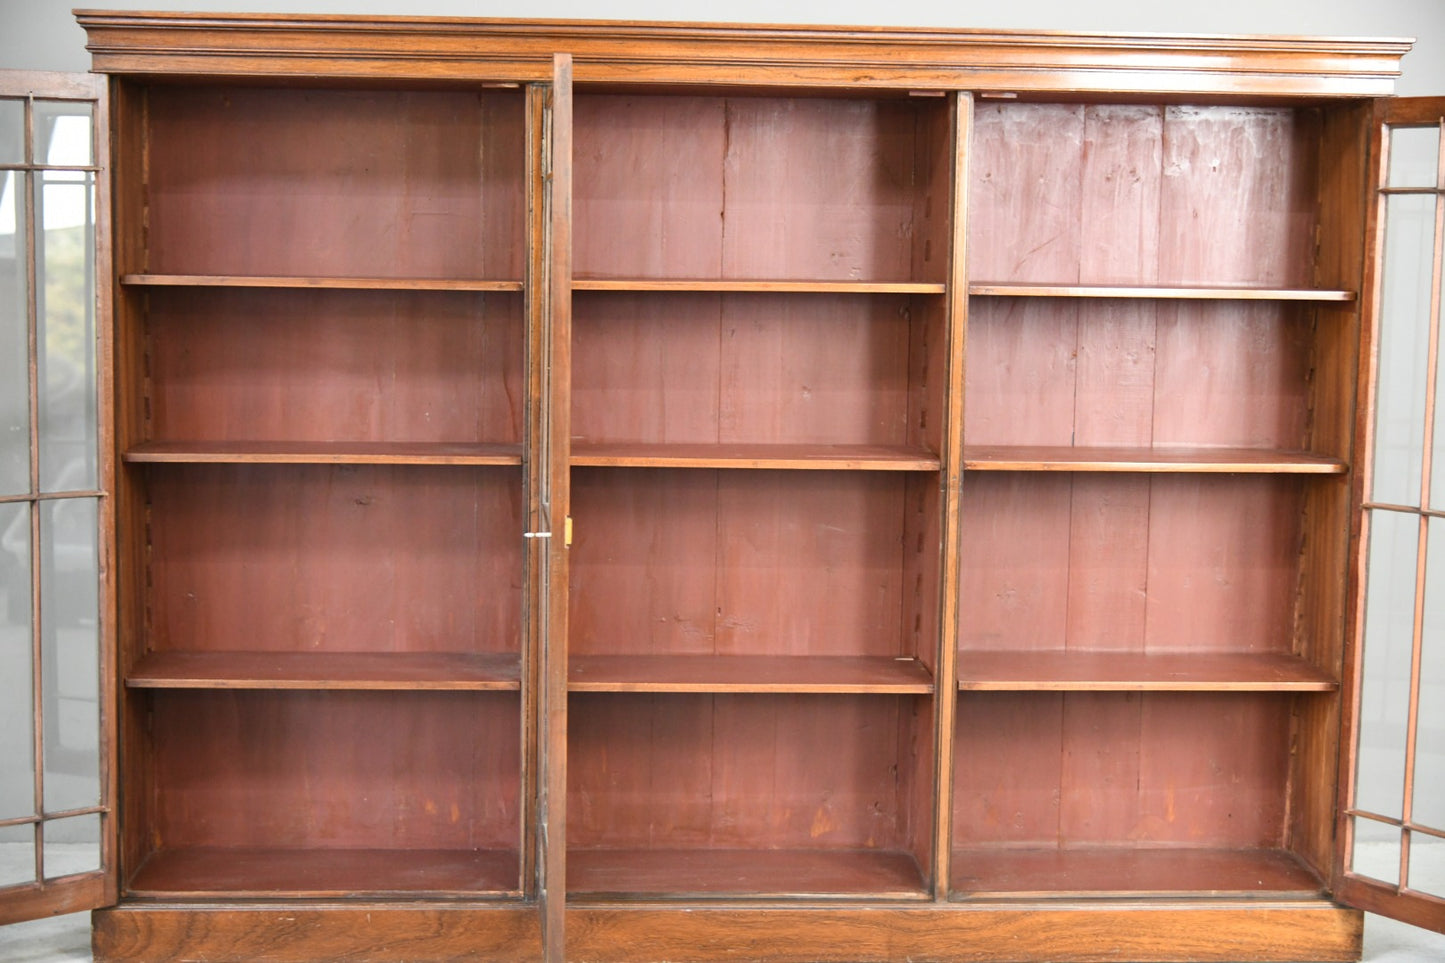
(1221, 292)
(1148, 872)
(316, 283)
(748, 673)
(327, 670)
(1162, 459)
(241, 872)
(703, 873)
(787, 457)
(324, 453)
(720, 286)
(1094, 671)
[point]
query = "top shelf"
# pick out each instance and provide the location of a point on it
(1219, 292)
(729, 286)
(317, 283)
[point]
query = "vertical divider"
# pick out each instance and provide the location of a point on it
(106, 482)
(951, 457)
(551, 452)
(533, 560)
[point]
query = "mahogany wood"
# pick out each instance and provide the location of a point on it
(1078, 670)
(239, 872)
(323, 283)
(72, 895)
(298, 933)
(716, 873)
(325, 670)
(135, 774)
(1152, 873)
(1150, 459)
(553, 354)
(323, 453)
(748, 673)
(1074, 373)
(775, 456)
(1033, 932)
(1227, 292)
(722, 286)
(894, 59)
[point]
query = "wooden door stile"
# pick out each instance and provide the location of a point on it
(555, 191)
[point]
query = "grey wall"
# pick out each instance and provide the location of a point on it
(42, 35)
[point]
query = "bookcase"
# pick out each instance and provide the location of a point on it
(656, 492)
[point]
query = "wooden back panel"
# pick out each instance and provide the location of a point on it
(688, 561)
(1121, 769)
(1072, 193)
(310, 558)
(290, 769)
(263, 365)
(741, 771)
(744, 187)
(746, 368)
(335, 182)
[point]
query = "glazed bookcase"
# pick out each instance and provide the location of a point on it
(662, 492)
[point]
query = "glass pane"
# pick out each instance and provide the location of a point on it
(65, 261)
(17, 855)
(1427, 864)
(1377, 851)
(1404, 349)
(63, 136)
(1428, 798)
(17, 715)
(1388, 645)
(72, 846)
(14, 340)
(1414, 156)
(70, 652)
(12, 131)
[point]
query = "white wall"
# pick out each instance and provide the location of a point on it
(42, 35)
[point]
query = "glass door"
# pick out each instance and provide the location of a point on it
(56, 824)
(1392, 860)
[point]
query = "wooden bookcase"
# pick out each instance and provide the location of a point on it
(650, 492)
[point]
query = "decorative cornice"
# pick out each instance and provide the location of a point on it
(453, 49)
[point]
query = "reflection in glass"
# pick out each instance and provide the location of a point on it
(70, 652)
(72, 846)
(1414, 156)
(14, 340)
(63, 136)
(1388, 648)
(1377, 851)
(1428, 799)
(1404, 339)
(65, 258)
(17, 855)
(1427, 864)
(12, 131)
(17, 715)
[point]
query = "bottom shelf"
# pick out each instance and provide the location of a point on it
(707, 873)
(1116, 871)
(249, 872)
